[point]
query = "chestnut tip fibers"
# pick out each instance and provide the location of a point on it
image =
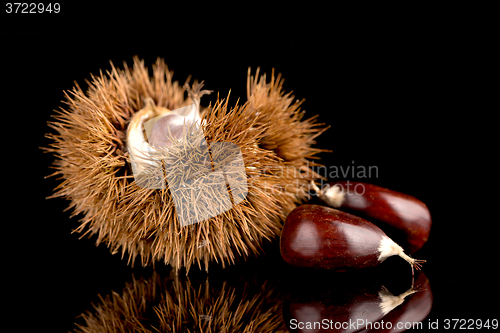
(89, 142)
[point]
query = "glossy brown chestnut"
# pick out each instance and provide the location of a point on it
(401, 211)
(322, 237)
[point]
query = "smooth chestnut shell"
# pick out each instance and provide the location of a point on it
(322, 237)
(401, 211)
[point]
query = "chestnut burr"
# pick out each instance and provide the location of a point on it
(401, 211)
(317, 236)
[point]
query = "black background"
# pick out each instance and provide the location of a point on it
(402, 92)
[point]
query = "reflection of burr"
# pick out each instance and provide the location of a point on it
(179, 304)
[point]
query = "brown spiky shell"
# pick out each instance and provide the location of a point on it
(89, 144)
(172, 304)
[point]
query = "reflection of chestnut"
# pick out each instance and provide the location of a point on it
(338, 316)
(401, 211)
(412, 312)
(341, 307)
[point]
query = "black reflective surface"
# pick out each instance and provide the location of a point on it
(261, 296)
(391, 99)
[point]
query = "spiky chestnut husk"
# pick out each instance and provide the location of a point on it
(173, 304)
(92, 161)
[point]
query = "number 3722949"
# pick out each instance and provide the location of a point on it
(31, 8)
(470, 324)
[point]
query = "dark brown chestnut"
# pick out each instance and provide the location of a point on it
(399, 210)
(322, 237)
